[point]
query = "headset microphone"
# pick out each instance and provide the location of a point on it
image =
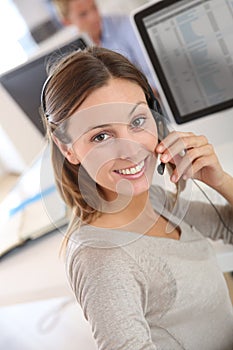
(161, 168)
(160, 122)
(162, 133)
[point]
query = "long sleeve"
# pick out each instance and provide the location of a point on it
(211, 223)
(111, 290)
(133, 288)
(199, 214)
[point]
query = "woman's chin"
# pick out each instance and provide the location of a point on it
(130, 184)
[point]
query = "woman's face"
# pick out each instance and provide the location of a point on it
(114, 136)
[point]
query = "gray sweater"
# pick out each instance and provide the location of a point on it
(146, 292)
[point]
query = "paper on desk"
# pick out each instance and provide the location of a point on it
(33, 208)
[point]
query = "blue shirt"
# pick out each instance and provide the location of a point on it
(118, 35)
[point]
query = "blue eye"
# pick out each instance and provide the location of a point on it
(138, 122)
(100, 137)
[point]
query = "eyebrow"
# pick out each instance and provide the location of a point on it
(136, 105)
(109, 125)
(97, 127)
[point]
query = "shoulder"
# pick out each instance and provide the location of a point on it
(162, 199)
(118, 21)
(116, 18)
(103, 269)
(100, 255)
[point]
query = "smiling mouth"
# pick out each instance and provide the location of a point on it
(133, 170)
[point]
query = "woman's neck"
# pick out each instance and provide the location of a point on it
(134, 214)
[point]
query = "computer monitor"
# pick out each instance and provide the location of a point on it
(33, 207)
(22, 132)
(24, 83)
(189, 46)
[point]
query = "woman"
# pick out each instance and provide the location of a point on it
(138, 260)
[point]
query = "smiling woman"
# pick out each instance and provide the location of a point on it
(138, 260)
(75, 143)
(116, 145)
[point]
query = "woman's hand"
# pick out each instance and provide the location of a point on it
(193, 157)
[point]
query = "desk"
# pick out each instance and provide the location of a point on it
(34, 272)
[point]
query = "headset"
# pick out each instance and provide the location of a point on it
(163, 131)
(153, 103)
(161, 122)
(42, 97)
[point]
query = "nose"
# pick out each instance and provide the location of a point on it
(127, 148)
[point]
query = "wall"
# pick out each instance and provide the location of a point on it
(119, 6)
(34, 12)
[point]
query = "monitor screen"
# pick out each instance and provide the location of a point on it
(189, 44)
(24, 84)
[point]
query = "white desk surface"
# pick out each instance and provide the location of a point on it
(35, 271)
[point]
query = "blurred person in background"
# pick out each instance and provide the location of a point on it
(113, 32)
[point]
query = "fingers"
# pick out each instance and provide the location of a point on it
(199, 153)
(176, 142)
(194, 160)
(198, 165)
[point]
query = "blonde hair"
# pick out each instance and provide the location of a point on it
(71, 80)
(62, 7)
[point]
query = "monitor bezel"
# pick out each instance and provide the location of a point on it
(80, 42)
(138, 18)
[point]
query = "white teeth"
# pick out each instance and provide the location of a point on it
(132, 171)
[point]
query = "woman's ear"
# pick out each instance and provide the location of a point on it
(66, 150)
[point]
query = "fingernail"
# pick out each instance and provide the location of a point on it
(173, 178)
(159, 148)
(164, 157)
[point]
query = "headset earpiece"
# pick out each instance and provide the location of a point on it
(160, 122)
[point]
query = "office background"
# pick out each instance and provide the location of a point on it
(35, 321)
